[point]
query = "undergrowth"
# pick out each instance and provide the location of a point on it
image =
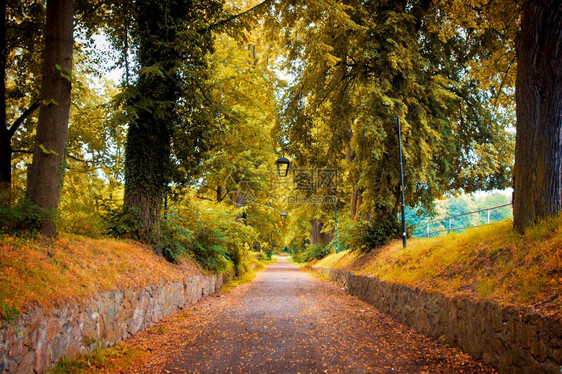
(112, 359)
(254, 264)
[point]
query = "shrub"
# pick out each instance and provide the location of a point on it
(123, 222)
(374, 234)
(82, 220)
(173, 239)
(311, 252)
(24, 216)
(208, 249)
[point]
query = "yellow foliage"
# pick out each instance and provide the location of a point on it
(45, 272)
(491, 262)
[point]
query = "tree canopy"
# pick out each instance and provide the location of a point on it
(212, 92)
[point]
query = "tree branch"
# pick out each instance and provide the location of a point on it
(29, 111)
(81, 160)
(503, 80)
(236, 16)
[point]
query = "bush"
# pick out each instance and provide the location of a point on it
(174, 239)
(370, 235)
(82, 220)
(24, 216)
(123, 223)
(311, 252)
(208, 248)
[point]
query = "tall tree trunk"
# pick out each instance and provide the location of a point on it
(5, 160)
(149, 137)
(147, 161)
(315, 227)
(45, 175)
(5, 147)
(316, 234)
(355, 204)
(538, 151)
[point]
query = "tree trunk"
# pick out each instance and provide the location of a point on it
(315, 227)
(149, 137)
(316, 234)
(45, 175)
(5, 160)
(537, 178)
(355, 204)
(146, 171)
(5, 147)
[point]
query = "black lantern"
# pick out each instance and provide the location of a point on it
(282, 166)
(283, 216)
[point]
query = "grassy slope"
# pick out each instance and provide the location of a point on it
(491, 262)
(46, 272)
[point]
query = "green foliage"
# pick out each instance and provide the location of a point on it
(208, 248)
(358, 66)
(123, 222)
(8, 313)
(311, 252)
(266, 253)
(373, 234)
(173, 239)
(207, 232)
(23, 216)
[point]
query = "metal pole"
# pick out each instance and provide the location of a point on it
(336, 222)
(402, 184)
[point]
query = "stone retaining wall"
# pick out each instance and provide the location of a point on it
(511, 340)
(38, 339)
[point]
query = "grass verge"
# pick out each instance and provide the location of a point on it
(493, 262)
(113, 359)
(253, 266)
(45, 272)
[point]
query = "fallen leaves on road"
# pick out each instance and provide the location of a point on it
(286, 321)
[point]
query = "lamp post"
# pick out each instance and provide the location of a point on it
(336, 222)
(283, 165)
(402, 184)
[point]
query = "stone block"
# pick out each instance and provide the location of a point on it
(15, 348)
(26, 364)
(550, 367)
(42, 358)
(538, 349)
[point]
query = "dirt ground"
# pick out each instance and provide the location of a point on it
(289, 321)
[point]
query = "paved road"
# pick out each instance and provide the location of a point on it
(289, 321)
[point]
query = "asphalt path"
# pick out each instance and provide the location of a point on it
(289, 321)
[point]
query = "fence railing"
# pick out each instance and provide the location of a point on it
(449, 220)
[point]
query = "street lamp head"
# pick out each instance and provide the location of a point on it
(282, 166)
(283, 216)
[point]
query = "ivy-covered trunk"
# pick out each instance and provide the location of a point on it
(538, 151)
(172, 39)
(154, 96)
(146, 171)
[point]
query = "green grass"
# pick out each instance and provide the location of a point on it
(112, 359)
(253, 265)
(491, 262)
